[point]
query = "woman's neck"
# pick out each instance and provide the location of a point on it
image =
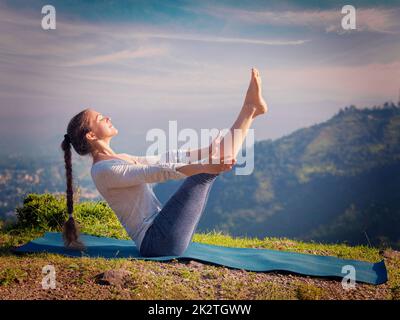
(102, 151)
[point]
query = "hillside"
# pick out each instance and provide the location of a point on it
(336, 181)
(90, 278)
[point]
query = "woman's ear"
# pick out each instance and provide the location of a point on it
(90, 136)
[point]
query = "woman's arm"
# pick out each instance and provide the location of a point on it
(198, 154)
(193, 169)
(124, 175)
(121, 175)
(171, 156)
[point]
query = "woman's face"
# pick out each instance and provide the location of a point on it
(101, 125)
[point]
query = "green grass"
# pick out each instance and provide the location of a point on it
(174, 280)
(21, 274)
(12, 275)
(364, 253)
(309, 292)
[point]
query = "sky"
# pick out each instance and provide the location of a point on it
(144, 63)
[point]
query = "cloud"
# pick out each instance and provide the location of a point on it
(205, 38)
(380, 20)
(52, 65)
(80, 43)
(342, 82)
(117, 56)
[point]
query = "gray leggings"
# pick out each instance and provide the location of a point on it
(174, 226)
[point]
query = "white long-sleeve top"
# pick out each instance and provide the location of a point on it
(128, 188)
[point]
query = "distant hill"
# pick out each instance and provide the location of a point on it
(337, 181)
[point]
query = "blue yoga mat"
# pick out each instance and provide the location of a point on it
(250, 259)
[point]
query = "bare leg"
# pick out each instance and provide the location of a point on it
(254, 105)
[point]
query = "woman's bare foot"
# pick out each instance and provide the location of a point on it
(254, 99)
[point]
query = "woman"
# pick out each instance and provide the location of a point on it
(124, 180)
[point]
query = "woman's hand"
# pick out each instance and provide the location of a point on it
(196, 168)
(219, 167)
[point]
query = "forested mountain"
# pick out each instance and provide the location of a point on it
(331, 182)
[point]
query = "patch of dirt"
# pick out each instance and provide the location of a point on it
(119, 278)
(391, 254)
(85, 282)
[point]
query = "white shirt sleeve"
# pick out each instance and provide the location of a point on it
(121, 175)
(171, 156)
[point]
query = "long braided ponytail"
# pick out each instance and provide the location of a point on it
(76, 131)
